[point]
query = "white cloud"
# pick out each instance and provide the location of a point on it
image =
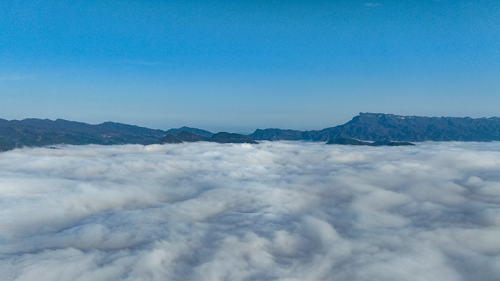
(276, 210)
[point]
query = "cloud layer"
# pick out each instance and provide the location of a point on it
(272, 211)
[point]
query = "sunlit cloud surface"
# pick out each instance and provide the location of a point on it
(272, 211)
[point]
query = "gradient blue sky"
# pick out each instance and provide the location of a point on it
(242, 65)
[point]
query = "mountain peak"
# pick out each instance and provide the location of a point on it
(200, 132)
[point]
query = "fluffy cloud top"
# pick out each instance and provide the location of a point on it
(272, 211)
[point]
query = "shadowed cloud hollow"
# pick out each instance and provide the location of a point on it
(268, 211)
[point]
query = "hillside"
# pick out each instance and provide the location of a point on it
(364, 127)
(42, 132)
(379, 127)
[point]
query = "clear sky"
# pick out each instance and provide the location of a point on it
(242, 65)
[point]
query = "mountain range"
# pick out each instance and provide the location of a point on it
(42, 132)
(363, 127)
(380, 127)
(188, 136)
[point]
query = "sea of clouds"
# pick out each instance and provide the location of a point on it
(272, 211)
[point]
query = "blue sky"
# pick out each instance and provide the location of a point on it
(242, 65)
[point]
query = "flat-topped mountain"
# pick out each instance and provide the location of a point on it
(379, 127)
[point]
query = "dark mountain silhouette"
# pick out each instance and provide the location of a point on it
(348, 141)
(42, 132)
(170, 138)
(380, 127)
(183, 136)
(390, 143)
(199, 132)
(224, 137)
(279, 134)
(364, 127)
(221, 137)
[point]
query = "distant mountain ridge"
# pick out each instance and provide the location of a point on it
(221, 137)
(363, 127)
(199, 132)
(42, 132)
(183, 136)
(34, 132)
(380, 127)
